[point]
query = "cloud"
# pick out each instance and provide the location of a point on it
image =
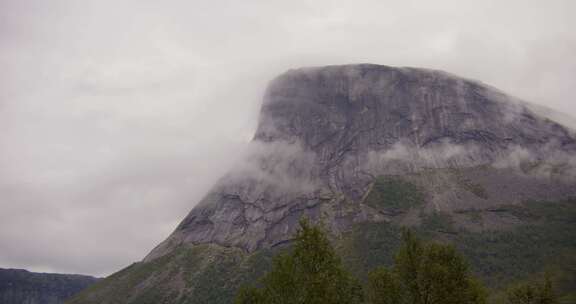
(402, 157)
(547, 161)
(283, 166)
(117, 117)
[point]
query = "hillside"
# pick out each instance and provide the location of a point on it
(18, 286)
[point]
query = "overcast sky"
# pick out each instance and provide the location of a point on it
(117, 116)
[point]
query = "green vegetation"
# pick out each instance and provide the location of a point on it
(384, 287)
(369, 245)
(394, 194)
(532, 293)
(188, 275)
(544, 242)
(475, 216)
(311, 273)
(438, 222)
(418, 273)
(425, 273)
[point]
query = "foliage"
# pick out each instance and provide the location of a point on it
(248, 295)
(311, 273)
(425, 273)
(439, 222)
(504, 256)
(384, 287)
(475, 217)
(370, 245)
(532, 293)
(188, 275)
(498, 257)
(394, 194)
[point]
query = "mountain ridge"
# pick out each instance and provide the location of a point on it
(18, 286)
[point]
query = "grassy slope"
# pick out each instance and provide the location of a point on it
(189, 275)
(394, 195)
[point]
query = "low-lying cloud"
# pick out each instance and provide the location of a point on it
(546, 161)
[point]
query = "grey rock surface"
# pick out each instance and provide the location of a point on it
(325, 133)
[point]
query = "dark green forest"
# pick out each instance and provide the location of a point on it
(312, 272)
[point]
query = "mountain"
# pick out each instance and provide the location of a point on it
(18, 286)
(367, 149)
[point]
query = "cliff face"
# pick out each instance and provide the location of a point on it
(371, 107)
(368, 149)
(23, 287)
(325, 133)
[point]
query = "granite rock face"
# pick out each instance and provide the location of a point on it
(326, 133)
(19, 286)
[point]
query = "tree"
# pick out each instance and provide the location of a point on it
(408, 262)
(384, 287)
(311, 273)
(425, 274)
(532, 293)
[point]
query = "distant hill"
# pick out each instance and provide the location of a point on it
(18, 286)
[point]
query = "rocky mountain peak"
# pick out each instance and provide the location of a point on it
(326, 133)
(372, 107)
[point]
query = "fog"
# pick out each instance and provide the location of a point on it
(118, 116)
